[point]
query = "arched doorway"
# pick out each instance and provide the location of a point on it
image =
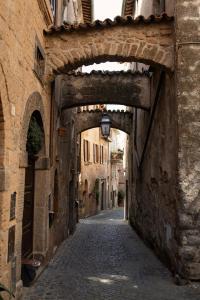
(34, 145)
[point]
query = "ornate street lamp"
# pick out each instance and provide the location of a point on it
(105, 125)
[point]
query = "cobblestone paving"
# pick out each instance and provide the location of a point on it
(105, 259)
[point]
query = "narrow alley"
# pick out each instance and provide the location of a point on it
(105, 259)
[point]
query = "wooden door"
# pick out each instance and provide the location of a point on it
(27, 224)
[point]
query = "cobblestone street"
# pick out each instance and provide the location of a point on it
(105, 259)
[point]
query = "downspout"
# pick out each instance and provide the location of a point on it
(162, 6)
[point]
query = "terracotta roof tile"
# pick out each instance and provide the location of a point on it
(128, 20)
(108, 73)
(105, 110)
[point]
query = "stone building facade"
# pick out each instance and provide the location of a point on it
(34, 204)
(94, 173)
(119, 148)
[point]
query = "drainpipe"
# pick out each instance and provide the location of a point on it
(162, 6)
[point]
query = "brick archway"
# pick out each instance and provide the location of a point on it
(34, 103)
(150, 41)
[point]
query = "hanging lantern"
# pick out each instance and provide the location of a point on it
(105, 125)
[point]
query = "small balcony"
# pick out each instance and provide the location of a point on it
(117, 156)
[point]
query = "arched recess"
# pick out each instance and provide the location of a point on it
(34, 103)
(34, 166)
(34, 146)
(150, 41)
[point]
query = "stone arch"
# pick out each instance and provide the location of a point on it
(121, 120)
(128, 88)
(34, 104)
(149, 41)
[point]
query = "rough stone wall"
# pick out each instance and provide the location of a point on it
(153, 207)
(62, 156)
(188, 100)
(19, 24)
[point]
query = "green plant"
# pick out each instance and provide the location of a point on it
(34, 138)
(5, 289)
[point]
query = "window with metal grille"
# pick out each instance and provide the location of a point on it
(86, 150)
(12, 206)
(11, 243)
(101, 155)
(39, 63)
(95, 153)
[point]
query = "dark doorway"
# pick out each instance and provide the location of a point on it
(35, 141)
(27, 224)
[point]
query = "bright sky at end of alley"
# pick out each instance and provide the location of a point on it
(107, 9)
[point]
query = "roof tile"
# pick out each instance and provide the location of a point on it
(108, 23)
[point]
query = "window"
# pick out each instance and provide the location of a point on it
(86, 150)
(12, 206)
(95, 153)
(11, 243)
(101, 155)
(53, 7)
(39, 64)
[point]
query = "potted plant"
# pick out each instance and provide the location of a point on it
(5, 289)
